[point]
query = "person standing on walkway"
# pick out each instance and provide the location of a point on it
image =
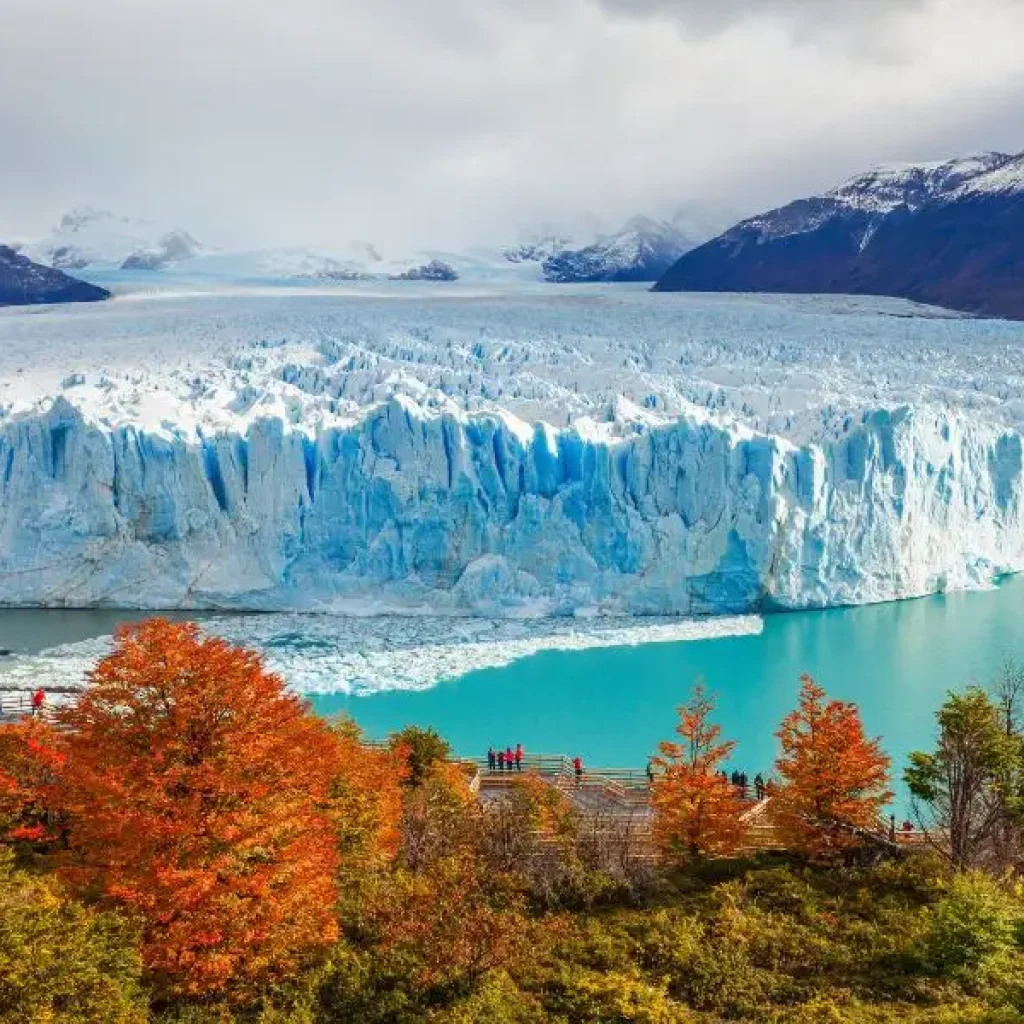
(510, 758)
(501, 760)
(759, 787)
(38, 700)
(650, 772)
(519, 757)
(492, 759)
(577, 767)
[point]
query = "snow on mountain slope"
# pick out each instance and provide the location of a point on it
(641, 251)
(90, 238)
(602, 450)
(173, 248)
(24, 283)
(949, 233)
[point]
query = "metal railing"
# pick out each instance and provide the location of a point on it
(14, 704)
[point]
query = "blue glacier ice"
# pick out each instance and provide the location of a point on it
(411, 509)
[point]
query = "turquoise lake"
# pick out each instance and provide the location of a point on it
(613, 705)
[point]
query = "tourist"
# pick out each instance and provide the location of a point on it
(492, 759)
(650, 772)
(519, 757)
(577, 767)
(38, 700)
(759, 786)
(501, 760)
(510, 758)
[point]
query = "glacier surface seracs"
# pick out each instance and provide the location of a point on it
(120, 487)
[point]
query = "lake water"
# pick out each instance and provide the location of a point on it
(613, 705)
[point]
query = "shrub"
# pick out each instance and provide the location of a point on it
(972, 928)
(423, 749)
(61, 963)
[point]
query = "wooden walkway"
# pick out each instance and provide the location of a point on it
(14, 705)
(624, 794)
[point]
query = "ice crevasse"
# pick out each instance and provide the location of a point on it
(408, 510)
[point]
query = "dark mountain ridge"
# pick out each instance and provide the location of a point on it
(949, 234)
(24, 283)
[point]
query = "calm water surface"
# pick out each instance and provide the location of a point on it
(613, 705)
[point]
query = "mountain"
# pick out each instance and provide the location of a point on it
(87, 237)
(949, 234)
(642, 251)
(24, 283)
(174, 247)
(432, 270)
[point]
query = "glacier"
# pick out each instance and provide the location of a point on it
(403, 456)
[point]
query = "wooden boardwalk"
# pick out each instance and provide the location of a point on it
(15, 705)
(624, 795)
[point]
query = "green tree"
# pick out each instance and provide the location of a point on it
(962, 790)
(423, 749)
(61, 963)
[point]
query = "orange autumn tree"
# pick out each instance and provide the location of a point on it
(365, 803)
(195, 792)
(834, 779)
(29, 757)
(697, 812)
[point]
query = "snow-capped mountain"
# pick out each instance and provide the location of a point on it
(24, 283)
(174, 247)
(949, 233)
(642, 251)
(88, 238)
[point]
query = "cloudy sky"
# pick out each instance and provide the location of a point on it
(443, 122)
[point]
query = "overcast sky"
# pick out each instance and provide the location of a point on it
(412, 122)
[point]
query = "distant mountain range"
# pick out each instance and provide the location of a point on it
(90, 238)
(24, 283)
(102, 244)
(950, 234)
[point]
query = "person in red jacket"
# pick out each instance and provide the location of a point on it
(510, 758)
(577, 767)
(38, 700)
(519, 757)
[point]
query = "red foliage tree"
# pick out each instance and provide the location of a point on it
(197, 793)
(30, 755)
(696, 811)
(834, 779)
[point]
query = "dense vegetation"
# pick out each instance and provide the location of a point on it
(188, 844)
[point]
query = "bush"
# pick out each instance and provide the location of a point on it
(972, 928)
(61, 963)
(424, 748)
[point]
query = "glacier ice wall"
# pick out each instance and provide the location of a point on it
(405, 510)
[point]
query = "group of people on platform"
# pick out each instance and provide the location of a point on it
(739, 779)
(742, 782)
(509, 759)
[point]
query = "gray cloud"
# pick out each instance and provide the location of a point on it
(256, 122)
(717, 13)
